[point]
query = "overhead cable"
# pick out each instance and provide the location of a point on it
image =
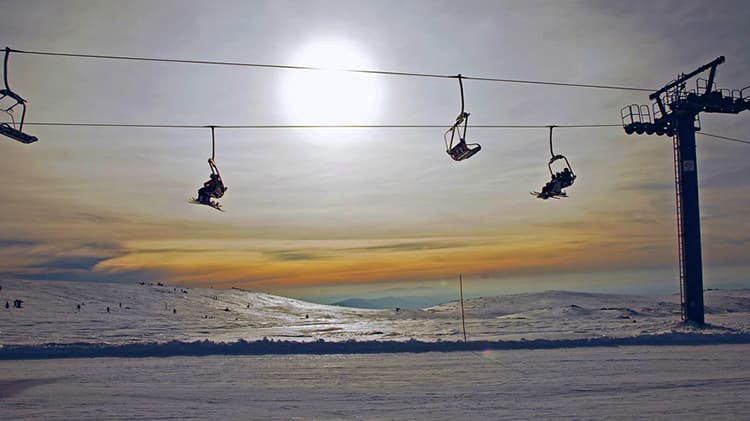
(314, 68)
(723, 137)
(345, 126)
(314, 126)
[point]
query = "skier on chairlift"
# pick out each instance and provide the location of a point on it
(213, 188)
(558, 180)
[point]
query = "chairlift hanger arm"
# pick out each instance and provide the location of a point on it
(211, 161)
(461, 87)
(213, 143)
(7, 91)
(214, 169)
(463, 117)
(5, 67)
(551, 151)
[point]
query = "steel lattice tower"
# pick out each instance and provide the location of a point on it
(675, 112)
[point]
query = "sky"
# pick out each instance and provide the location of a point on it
(325, 214)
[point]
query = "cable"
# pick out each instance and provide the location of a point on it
(570, 85)
(315, 126)
(364, 71)
(724, 137)
(346, 126)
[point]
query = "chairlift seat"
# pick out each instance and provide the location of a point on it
(462, 151)
(18, 135)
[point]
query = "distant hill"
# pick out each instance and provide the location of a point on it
(91, 315)
(411, 303)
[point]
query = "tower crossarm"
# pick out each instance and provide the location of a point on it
(712, 65)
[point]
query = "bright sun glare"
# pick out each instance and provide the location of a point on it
(330, 96)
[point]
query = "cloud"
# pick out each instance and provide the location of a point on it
(293, 255)
(71, 263)
(68, 260)
(16, 243)
(409, 246)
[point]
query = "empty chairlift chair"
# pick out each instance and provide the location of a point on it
(460, 150)
(9, 100)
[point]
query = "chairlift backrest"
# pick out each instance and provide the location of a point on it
(570, 176)
(557, 158)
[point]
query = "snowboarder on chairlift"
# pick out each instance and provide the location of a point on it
(213, 188)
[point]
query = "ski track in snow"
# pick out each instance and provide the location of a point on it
(210, 321)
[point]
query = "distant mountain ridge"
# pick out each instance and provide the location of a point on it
(411, 303)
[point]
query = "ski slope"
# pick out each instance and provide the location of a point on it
(530, 356)
(670, 382)
(160, 314)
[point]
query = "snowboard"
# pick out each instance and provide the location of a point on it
(546, 196)
(215, 205)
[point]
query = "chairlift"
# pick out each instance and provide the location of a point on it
(214, 188)
(460, 150)
(13, 129)
(558, 180)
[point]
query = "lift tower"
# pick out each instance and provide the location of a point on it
(675, 112)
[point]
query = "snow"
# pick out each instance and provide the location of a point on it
(672, 382)
(543, 355)
(148, 316)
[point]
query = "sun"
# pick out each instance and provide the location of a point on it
(330, 96)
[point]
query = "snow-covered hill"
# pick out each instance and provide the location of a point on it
(156, 314)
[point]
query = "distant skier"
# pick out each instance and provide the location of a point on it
(107, 309)
(78, 308)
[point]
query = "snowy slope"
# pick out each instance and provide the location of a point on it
(652, 383)
(152, 313)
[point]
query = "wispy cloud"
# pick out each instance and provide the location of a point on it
(293, 255)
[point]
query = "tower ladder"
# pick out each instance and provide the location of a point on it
(678, 204)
